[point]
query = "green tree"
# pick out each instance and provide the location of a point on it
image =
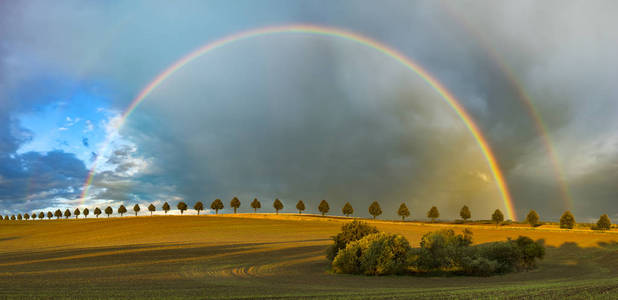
(347, 209)
(49, 215)
(300, 206)
(41, 215)
(33, 216)
(277, 205)
(323, 207)
(19, 217)
(604, 223)
(67, 213)
(182, 207)
(109, 210)
(76, 213)
(58, 214)
(166, 207)
(465, 213)
(136, 209)
(216, 205)
(497, 216)
(375, 209)
(433, 214)
(532, 218)
(567, 220)
(86, 212)
(235, 204)
(97, 212)
(151, 208)
(403, 211)
(255, 205)
(13, 217)
(26, 216)
(199, 206)
(122, 210)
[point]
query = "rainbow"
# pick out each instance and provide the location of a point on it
(525, 99)
(336, 33)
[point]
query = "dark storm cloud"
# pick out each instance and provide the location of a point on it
(301, 118)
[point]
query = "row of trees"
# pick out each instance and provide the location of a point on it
(566, 221)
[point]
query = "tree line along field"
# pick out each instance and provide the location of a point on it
(567, 220)
(272, 256)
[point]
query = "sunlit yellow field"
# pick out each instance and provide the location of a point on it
(265, 256)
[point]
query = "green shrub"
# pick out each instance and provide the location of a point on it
(350, 232)
(375, 254)
(479, 266)
(567, 220)
(512, 255)
(441, 250)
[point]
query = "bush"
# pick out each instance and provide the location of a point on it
(479, 266)
(350, 232)
(567, 220)
(375, 254)
(604, 223)
(512, 255)
(441, 250)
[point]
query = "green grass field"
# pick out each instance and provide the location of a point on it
(266, 256)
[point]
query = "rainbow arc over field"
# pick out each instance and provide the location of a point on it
(335, 33)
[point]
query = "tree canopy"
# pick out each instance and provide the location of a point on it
(323, 207)
(86, 212)
(199, 206)
(166, 207)
(136, 209)
(151, 208)
(109, 211)
(567, 220)
(76, 212)
(256, 204)
(532, 218)
(300, 206)
(67, 213)
(97, 211)
(497, 216)
(403, 211)
(347, 209)
(465, 213)
(122, 210)
(235, 204)
(216, 205)
(277, 205)
(58, 214)
(433, 214)
(375, 209)
(182, 207)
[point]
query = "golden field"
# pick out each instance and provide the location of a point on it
(270, 256)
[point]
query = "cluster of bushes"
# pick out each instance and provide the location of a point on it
(361, 249)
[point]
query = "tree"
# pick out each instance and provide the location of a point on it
(323, 207)
(151, 208)
(86, 212)
(347, 209)
(49, 215)
(235, 203)
(166, 207)
(97, 212)
(403, 211)
(33, 216)
(375, 209)
(277, 205)
(13, 217)
(198, 206)
(216, 205)
(532, 218)
(604, 223)
(58, 214)
(136, 209)
(109, 211)
(497, 216)
(300, 206)
(122, 210)
(67, 213)
(19, 217)
(256, 204)
(41, 215)
(76, 212)
(464, 213)
(567, 220)
(26, 216)
(433, 214)
(182, 207)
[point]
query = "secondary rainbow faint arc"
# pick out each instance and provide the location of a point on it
(524, 97)
(346, 35)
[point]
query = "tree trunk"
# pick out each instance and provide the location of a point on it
(374, 217)
(235, 209)
(254, 210)
(151, 213)
(403, 218)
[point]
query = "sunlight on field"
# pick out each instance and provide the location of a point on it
(259, 255)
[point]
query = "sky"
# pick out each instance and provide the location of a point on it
(306, 117)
